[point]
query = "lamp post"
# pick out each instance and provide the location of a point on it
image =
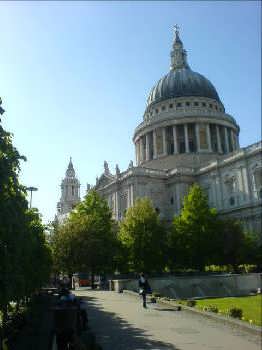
(31, 189)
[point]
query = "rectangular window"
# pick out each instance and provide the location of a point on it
(150, 141)
(159, 141)
(213, 136)
(181, 139)
(203, 136)
(191, 137)
(169, 140)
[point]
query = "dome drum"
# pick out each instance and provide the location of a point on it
(201, 137)
(178, 106)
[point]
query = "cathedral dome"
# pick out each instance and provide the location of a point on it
(182, 82)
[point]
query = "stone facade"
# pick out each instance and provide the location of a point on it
(184, 140)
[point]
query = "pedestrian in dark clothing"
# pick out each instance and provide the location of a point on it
(144, 288)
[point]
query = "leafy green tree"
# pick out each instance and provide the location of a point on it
(143, 237)
(192, 238)
(24, 257)
(87, 241)
(235, 246)
(12, 220)
(231, 242)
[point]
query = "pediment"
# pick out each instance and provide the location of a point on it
(104, 180)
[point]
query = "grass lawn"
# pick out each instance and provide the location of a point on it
(250, 305)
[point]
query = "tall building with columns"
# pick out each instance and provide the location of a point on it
(186, 136)
(70, 192)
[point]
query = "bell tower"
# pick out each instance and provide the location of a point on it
(70, 191)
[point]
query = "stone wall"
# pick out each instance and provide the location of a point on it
(187, 287)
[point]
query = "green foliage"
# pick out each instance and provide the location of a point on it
(191, 239)
(87, 240)
(24, 255)
(247, 268)
(156, 295)
(251, 306)
(143, 237)
(236, 312)
(191, 303)
(211, 308)
(231, 242)
(219, 268)
(200, 240)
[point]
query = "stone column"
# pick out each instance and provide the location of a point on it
(232, 139)
(116, 206)
(197, 137)
(237, 141)
(154, 145)
(244, 187)
(128, 197)
(175, 140)
(141, 150)
(218, 140)
(131, 195)
(208, 138)
(137, 152)
(186, 138)
(147, 146)
(164, 141)
(226, 139)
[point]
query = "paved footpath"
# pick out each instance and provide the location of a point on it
(120, 323)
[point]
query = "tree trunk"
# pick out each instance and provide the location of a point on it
(92, 279)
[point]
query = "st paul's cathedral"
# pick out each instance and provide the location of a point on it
(185, 137)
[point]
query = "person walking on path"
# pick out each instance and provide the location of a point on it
(144, 287)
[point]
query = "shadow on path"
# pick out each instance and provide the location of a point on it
(114, 333)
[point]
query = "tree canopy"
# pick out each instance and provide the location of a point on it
(24, 255)
(87, 240)
(143, 237)
(193, 231)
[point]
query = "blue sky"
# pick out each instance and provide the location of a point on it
(74, 77)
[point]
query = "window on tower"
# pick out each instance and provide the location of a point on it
(181, 139)
(169, 140)
(191, 137)
(159, 141)
(203, 136)
(73, 191)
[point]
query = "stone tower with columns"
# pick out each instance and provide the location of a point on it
(70, 192)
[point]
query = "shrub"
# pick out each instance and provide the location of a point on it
(247, 268)
(236, 312)
(211, 308)
(191, 303)
(156, 295)
(218, 268)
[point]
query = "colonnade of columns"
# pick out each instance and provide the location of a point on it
(186, 138)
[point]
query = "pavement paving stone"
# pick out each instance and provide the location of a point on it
(120, 323)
